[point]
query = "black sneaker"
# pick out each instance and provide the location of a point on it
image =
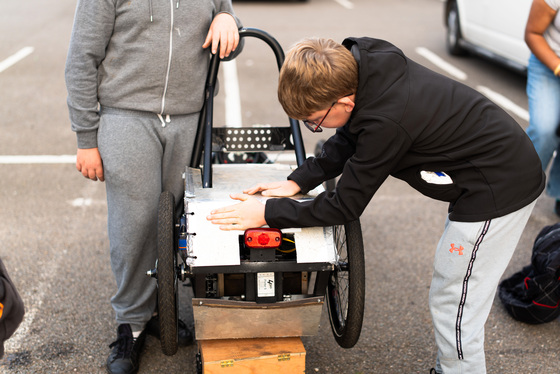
(125, 356)
(185, 335)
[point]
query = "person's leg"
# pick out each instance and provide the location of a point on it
(543, 91)
(469, 262)
(177, 138)
(132, 154)
(141, 158)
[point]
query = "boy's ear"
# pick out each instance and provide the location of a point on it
(348, 102)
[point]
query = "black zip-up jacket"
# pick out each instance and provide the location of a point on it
(409, 119)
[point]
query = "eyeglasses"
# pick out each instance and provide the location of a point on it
(314, 126)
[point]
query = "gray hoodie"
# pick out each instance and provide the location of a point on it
(143, 55)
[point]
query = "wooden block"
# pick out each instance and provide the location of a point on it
(243, 356)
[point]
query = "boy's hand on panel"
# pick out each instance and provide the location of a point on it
(278, 189)
(249, 213)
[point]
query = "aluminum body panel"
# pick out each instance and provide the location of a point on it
(210, 246)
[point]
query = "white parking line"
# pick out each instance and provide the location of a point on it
(346, 3)
(81, 202)
(15, 58)
(232, 97)
(442, 64)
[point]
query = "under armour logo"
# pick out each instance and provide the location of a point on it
(453, 249)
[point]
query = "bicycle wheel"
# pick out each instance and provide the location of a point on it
(346, 286)
(167, 282)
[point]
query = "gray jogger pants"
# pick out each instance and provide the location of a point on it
(469, 262)
(141, 158)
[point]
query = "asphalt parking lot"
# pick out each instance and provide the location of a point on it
(53, 236)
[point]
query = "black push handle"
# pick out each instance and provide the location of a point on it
(203, 140)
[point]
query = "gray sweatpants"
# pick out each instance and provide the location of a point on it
(470, 259)
(141, 158)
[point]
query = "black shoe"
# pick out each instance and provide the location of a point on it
(185, 335)
(125, 356)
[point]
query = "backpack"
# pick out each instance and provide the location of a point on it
(532, 295)
(11, 307)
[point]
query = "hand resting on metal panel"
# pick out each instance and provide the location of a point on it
(279, 189)
(249, 213)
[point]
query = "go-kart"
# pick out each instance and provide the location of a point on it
(263, 282)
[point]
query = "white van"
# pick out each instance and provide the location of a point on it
(491, 28)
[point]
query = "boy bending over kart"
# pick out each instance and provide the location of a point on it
(396, 117)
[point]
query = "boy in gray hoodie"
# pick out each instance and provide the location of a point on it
(135, 76)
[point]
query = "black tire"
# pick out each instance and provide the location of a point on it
(167, 282)
(198, 363)
(346, 286)
(454, 36)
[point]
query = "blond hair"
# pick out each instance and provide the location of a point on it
(315, 73)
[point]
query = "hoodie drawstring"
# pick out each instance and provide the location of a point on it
(166, 121)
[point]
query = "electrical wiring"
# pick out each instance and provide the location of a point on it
(289, 250)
